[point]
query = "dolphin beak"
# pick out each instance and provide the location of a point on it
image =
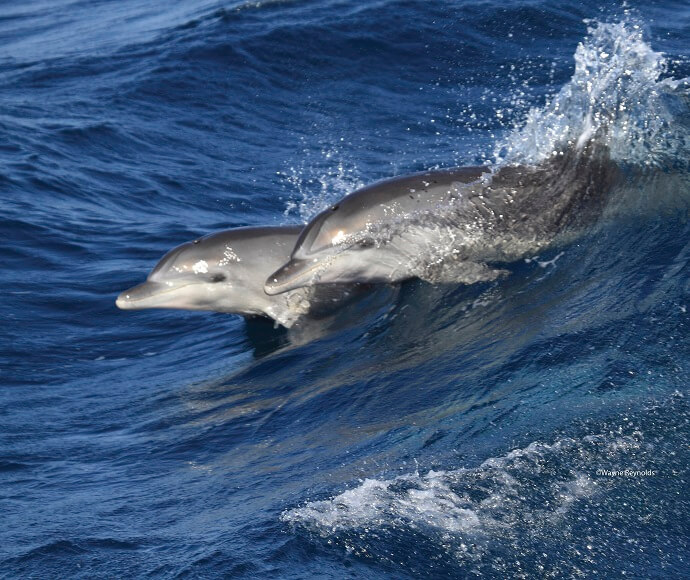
(141, 296)
(294, 274)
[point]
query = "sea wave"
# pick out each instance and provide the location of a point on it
(199, 444)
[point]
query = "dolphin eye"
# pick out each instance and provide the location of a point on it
(217, 278)
(365, 243)
(335, 207)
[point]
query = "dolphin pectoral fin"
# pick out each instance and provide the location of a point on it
(461, 272)
(295, 274)
(282, 317)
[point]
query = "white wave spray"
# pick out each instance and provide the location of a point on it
(618, 94)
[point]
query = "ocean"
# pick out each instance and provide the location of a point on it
(532, 426)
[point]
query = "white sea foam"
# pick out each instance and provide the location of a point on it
(538, 483)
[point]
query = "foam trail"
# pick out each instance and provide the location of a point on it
(545, 506)
(480, 500)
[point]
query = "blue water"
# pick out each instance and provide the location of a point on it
(457, 432)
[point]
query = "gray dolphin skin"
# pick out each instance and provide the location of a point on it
(414, 226)
(225, 272)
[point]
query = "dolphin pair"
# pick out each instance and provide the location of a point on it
(456, 225)
(227, 271)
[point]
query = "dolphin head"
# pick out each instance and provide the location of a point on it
(336, 247)
(318, 243)
(223, 272)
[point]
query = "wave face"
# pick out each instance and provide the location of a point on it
(534, 425)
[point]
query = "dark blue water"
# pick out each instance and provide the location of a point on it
(462, 431)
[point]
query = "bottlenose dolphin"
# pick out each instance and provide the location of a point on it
(456, 224)
(225, 272)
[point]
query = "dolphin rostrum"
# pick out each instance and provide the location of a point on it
(454, 224)
(225, 272)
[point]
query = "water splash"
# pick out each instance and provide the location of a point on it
(618, 95)
(319, 187)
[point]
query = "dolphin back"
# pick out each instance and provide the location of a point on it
(404, 195)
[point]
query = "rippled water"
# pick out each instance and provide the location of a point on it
(536, 425)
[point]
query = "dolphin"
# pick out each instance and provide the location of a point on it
(447, 225)
(225, 272)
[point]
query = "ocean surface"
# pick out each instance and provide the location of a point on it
(534, 426)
